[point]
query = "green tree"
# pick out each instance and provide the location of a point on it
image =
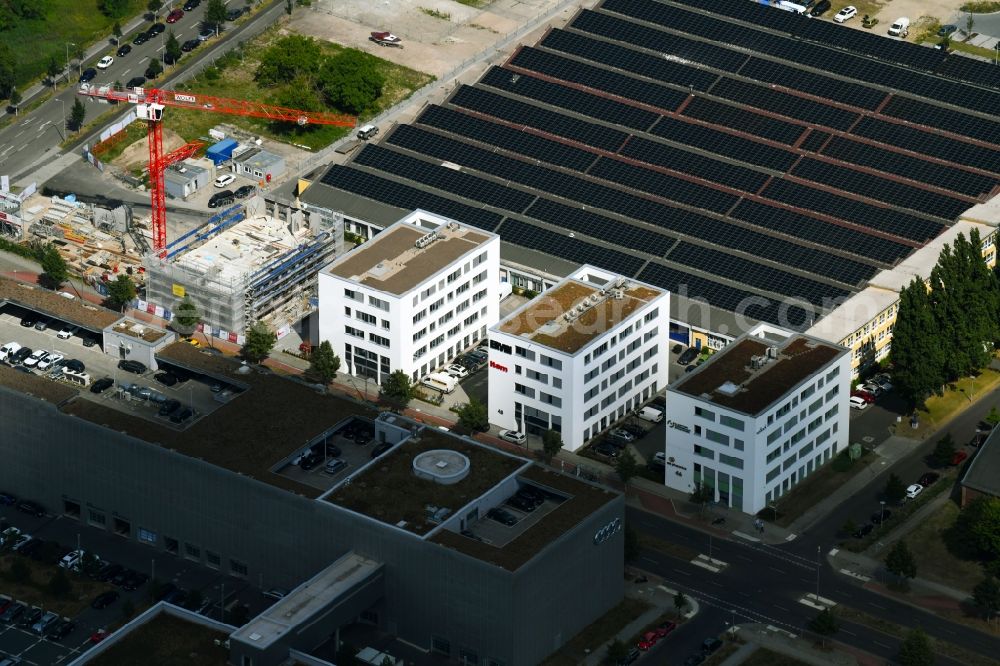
(215, 12)
(680, 602)
(20, 571)
(626, 467)
(290, 58)
(53, 69)
(916, 649)
(301, 94)
(473, 416)
(552, 444)
(155, 6)
(397, 390)
(894, 490)
(977, 528)
(172, 49)
(113, 8)
(617, 652)
(992, 418)
(54, 269)
(154, 68)
(632, 545)
(7, 67)
(186, 317)
(60, 586)
(702, 494)
(324, 364)
(986, 594)
(121, 291)
(825, 624)
(943, 451)
(15, 99)
(259, 342)
(77, 113)
(917, 352)
(116, 30)
(900, 561)
(351, 81)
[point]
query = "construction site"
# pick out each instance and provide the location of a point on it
(254, 261)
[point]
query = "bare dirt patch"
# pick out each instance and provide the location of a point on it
(137, 155)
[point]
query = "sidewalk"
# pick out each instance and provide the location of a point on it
(796, 647)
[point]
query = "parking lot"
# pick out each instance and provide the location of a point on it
(129, 395)
(352, 442)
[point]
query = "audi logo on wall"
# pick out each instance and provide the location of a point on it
(607, 531)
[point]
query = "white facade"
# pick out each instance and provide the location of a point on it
(412, 298)
(751, 433)
(578, 376)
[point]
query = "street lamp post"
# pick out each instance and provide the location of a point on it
(62, 129)
(818, 549)
(881, 518)
(68, 44)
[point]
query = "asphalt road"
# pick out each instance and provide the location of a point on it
(23, 143)
(764, 584)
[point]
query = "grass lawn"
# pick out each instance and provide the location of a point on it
(934, 560)
(596, 634)
(234, 78)
(765, 657)
(35, 593)
(818, 486)
(66, 21)
(958, 396)
(723, 653)
(167, 640)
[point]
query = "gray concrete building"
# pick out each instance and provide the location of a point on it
(259, 164)
(184, 179)
(402, 538)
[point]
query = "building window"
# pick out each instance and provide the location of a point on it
(730, 422)
(212, 559)
(467, 656)
(704, 413)
(367, 318)
(738, 444)
(378, 339)
(716, 437)
(146, 536)
(732, 461)
(71, 509)
(192, 552)
(524, 390)
(170, 545)
(703, 452)
(97, 518)
(378, 303)
(238, 568)
(350, 330)
(440, 645)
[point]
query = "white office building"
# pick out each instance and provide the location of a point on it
(579, 357)
(412, 298)
(758, 417)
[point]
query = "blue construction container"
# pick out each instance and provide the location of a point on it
(222, 151)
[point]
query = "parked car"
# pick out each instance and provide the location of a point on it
(31, 616)
(224, 180)
(169, 407)
(31, 509)
(206, 33)
(710, 645)
(28, 320)
(134, 367)
(136, 82)
(928, 479)
(220, 198)
(858, 402)
(335, 466)
(863, 531)
(134, 580)
(141, 38)
(959, 457)
(235, 13)
(846, 14)
(74, 364)
(49, 361)
(380, 449)
(244, 191)
(88, 75)
(687, 356)
(190, 45)
(20, 355)
(310, 461)
(12, 612)
(665, 629)
(175, 16)
(44, 623)
(864, 395)
(165, 378)
(35, 357)
(820, 8)
(521, 503)
(946, 30)
(532, 494)
(62, 629)
(622, 434)
(648, 640)
(501, 516)
(102, 385)
(606, 449)
(89, 341)
(984, 426)
(881, 516)
(514, 437)
(123, 50)
(191, 4)
(457, 371)
(105, 62)
(98, 636)
(913, 490)
(156, 29)
(109, 571)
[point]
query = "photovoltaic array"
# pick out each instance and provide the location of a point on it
(728, 151)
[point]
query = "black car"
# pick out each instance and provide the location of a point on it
(136, 82)
(332, 450)
(75, 365)
(502, 517)
(89, 342)
(62, 629)
(134, 580)
(181, 415)
(124, 50)
(710, 645)
(31, 508)
(380, 449)
(310, 461)
(141, 38)
(151, 73)
(191, 4)
(32, 616)
(108, 572)
(928, 479)
(821, 8)
(531, 493)
(863, 531)
(235, 13)
(606, 449)
(104, 600)
(245, 191)
(120, 577)
(13, 612)
(165, 378)
(102, 385)
(689, 355)
(88, 75)
(28, 321)
(176, 597)
(190, 45)
(630, 658)
(20, 355)
(134, 367)
(880, 517)
(169, 407)
(6, 499)
(221, 198)
(521, 503)
(155, 29)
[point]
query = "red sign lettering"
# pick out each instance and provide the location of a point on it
(501, 368)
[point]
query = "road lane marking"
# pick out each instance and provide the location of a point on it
(781, 571)
(887, 647)
(870, 603)
(684, 573)
(850, 633)
(781, 608)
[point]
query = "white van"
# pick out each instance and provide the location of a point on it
(72, 560)
(439, 381)
(650, 414)
(74, 377)
(8, 350)
(901, 27)
(793, 7)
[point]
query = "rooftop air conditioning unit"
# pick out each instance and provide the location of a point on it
(772, 352)
(617, 294)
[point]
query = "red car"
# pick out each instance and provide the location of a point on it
(175, 16)
(959, 457)
(864, 395)
(664, 629)
(98, 635)
(648, 640)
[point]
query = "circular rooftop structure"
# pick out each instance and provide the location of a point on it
(442, 466)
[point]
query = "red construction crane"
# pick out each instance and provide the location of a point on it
(150, 104)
